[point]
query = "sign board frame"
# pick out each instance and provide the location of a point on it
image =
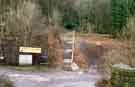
(29, 50)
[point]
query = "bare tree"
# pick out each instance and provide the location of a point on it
(21, 21)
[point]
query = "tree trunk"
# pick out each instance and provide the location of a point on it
(55, 50)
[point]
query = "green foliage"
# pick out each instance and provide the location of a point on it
(132, 6)
(101, 16)
(95, 15)
(86, 15)
(128, 32)
(46, 6)
(121, 10)
(70, 15)
(123, 77)
(70, 18)
(119, 15)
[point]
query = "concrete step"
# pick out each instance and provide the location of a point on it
(67, 60)
(67, 50)
(67, 39)
(69, 42)
(66, 56)
(67, 67)
(67, 47)
(71, 67)
(67, 53)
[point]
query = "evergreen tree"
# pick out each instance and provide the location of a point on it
(119, 15)
(131, 6)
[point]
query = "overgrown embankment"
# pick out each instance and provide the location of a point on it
(105, 50)
(110, 52)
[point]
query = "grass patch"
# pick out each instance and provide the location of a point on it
(94, 34)
(84, 34)
(38, 68)
(32, 68)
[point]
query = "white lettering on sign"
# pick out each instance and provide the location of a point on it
(29, 50)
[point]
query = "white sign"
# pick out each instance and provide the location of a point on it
(29, 50)
(25, 59)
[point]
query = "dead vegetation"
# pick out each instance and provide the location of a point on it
(108, 51)
(80, 59)
(117, 55)
(104, 83)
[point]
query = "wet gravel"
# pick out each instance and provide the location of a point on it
(52, 79)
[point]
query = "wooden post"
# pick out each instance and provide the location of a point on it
(73, 47)
(2, 25)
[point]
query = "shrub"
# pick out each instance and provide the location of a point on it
(129, 31)
(104, 83)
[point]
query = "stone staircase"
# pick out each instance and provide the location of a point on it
(68, 52)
